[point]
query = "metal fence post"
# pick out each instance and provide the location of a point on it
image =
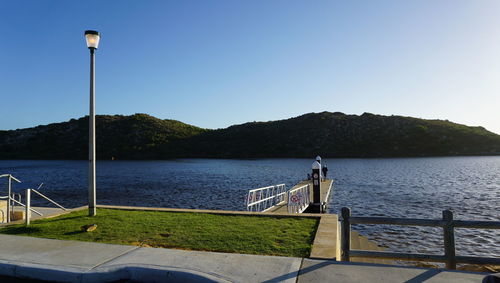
(9, 191)
(345, 234)
(449, 240)
(28, 206)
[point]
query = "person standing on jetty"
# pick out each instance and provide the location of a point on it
(324, 170)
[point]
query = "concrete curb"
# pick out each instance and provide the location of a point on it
(310, 270)
(142, 273)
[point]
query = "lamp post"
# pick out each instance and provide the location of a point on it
(92, 37)
(316, 180)
(318, 159)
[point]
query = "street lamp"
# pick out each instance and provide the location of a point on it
(92, 37)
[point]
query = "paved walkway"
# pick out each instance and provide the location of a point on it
(73, 261)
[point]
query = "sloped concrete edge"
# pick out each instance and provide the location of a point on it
(325, 240)
(40, 271)
(136, 272)
(152, 273)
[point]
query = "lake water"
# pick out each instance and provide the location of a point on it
(402, 187)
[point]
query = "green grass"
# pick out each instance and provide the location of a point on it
(284, 236)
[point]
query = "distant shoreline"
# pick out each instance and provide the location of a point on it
(257, 158)
(334, 135)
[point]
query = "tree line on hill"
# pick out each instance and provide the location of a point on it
(142, 136)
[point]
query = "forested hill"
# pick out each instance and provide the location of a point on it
(138, 136)
(141, 136)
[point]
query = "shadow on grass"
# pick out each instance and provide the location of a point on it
(74, 232)
(62, 219)
(20, 230)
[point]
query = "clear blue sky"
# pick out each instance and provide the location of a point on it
(217, 63)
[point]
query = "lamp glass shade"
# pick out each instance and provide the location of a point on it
(92, 39)
(316, 165)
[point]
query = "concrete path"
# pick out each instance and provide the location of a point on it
(73, 261)
(334, 271)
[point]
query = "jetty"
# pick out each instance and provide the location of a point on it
(311, 195)
(295, 194)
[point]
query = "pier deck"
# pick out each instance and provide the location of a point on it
(325, 189)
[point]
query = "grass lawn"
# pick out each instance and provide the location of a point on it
(284, 236)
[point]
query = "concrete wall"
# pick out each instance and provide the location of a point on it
(3, 209)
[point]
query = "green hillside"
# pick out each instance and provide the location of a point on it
(138, 136)
(141, 136)
(341, 135)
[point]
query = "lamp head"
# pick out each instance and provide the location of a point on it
(316, 165)
(92, 37)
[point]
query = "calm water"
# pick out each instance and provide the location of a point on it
(406, 187)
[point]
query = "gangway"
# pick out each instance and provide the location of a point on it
(280, 200)
(262, 199)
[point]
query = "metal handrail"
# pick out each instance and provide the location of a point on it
(9, 191)
(447, 223)
(261, 199)
(39, 213)
(278, 199)
(266, 197)
(10, 176)
(12, 207)
(253, 194)
(299, 199)
(28, 202)
(47, 198)
(260, 189)
(19, 195)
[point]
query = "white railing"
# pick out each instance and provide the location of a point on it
(12, 201)
(28, 203)
(10, 197)
(262, 199)
(23, 205)
(47, 198)
(11, 204)
(299, 199)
